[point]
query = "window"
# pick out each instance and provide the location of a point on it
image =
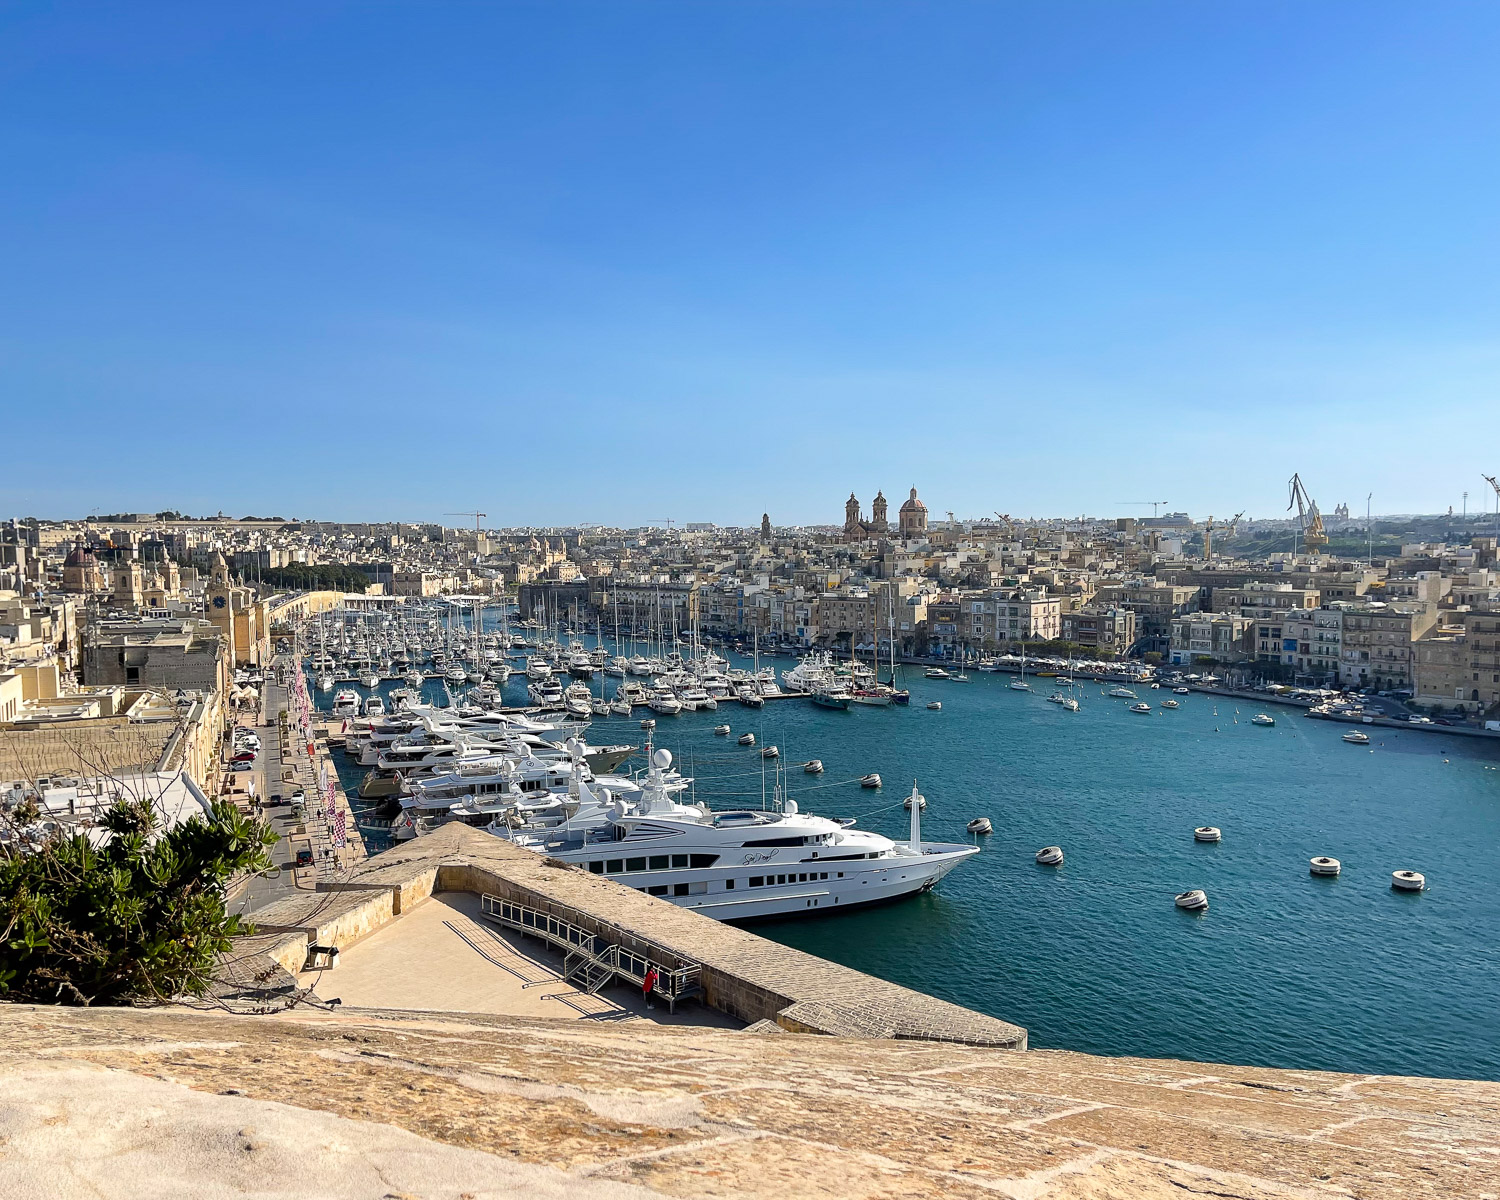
(679, 889)
(614, 866)
(755, 880)
(781, 879)
(824, 875)
(635, 864)
(659, 862)
(679, 860)
(697, 889)
(699, 860)
(597, 866)
(729, 885)
(659, 890)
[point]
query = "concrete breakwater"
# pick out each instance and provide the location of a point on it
(741, 974)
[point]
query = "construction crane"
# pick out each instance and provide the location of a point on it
(1494, 483)
(1155, 504)
(477, 517)
(1208, 533)
(1314, 537)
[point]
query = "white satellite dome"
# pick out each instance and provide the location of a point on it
(661, 759)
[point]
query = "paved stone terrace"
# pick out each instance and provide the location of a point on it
(168, 1103)
(744, 975)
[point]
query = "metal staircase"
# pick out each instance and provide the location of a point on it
(588, 961)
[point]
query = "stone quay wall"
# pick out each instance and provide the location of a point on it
(742, 974)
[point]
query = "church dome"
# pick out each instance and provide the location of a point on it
(81, 556)
(913, 504)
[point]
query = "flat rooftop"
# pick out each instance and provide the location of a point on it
(442, 956)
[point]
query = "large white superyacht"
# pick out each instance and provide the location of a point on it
(732, 865)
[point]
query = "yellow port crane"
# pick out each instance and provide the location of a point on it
(1314, 536)
(1494, 483)
(1208, 533)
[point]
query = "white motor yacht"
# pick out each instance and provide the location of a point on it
(346, 703)
(740, 864)
(663, 700)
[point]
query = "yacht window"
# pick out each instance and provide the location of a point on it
(824, 875)
(729, 885)
(679, 889)
(679, 860)
(801, 878)
(614, 866)
(783, 841)
(596, 867)
(659, 890)
(635, 864)
(755, 880)
(702, 860)
(659, 862)
(781, 879)
(841, 874)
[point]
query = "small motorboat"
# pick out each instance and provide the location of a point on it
(981, 825)
(1050, 856)
(1207, 833)
(813, 766)
(721, 730)
(871, 780)
(1193, 901)
(747, 739)
(621, 707)
(1120, 692)
(1141, 710)
(1322, 865)
(1170, 704)
(935, 705)
(649, 723)
(1182, 691)
(918, 797)
(936, 673)
(1357, 738)
(770, 752)
(1262, 719)
(1408, 881)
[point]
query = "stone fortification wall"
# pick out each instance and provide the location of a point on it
(119, 1104)
(743, 974)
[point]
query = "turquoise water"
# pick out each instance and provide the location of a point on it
(1283, 970)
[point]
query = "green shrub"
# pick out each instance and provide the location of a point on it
(140, 919)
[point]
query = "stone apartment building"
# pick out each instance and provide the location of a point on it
(1458, 665)
(1021, 614)
(157, 654)
(1157, 606)
(1312, 641)
(1378, 642)
(1108, 630)
(1216, 637)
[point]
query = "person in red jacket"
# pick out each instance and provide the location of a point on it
(648, 985)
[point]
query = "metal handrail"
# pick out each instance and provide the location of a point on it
(582, 955)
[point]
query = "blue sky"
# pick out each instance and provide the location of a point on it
(623, 262)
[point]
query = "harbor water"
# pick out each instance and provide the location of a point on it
(1283, 969)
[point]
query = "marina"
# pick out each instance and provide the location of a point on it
(1117, 793)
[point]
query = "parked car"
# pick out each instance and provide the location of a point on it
(304, 858)
(242, 766)
(243, 756)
